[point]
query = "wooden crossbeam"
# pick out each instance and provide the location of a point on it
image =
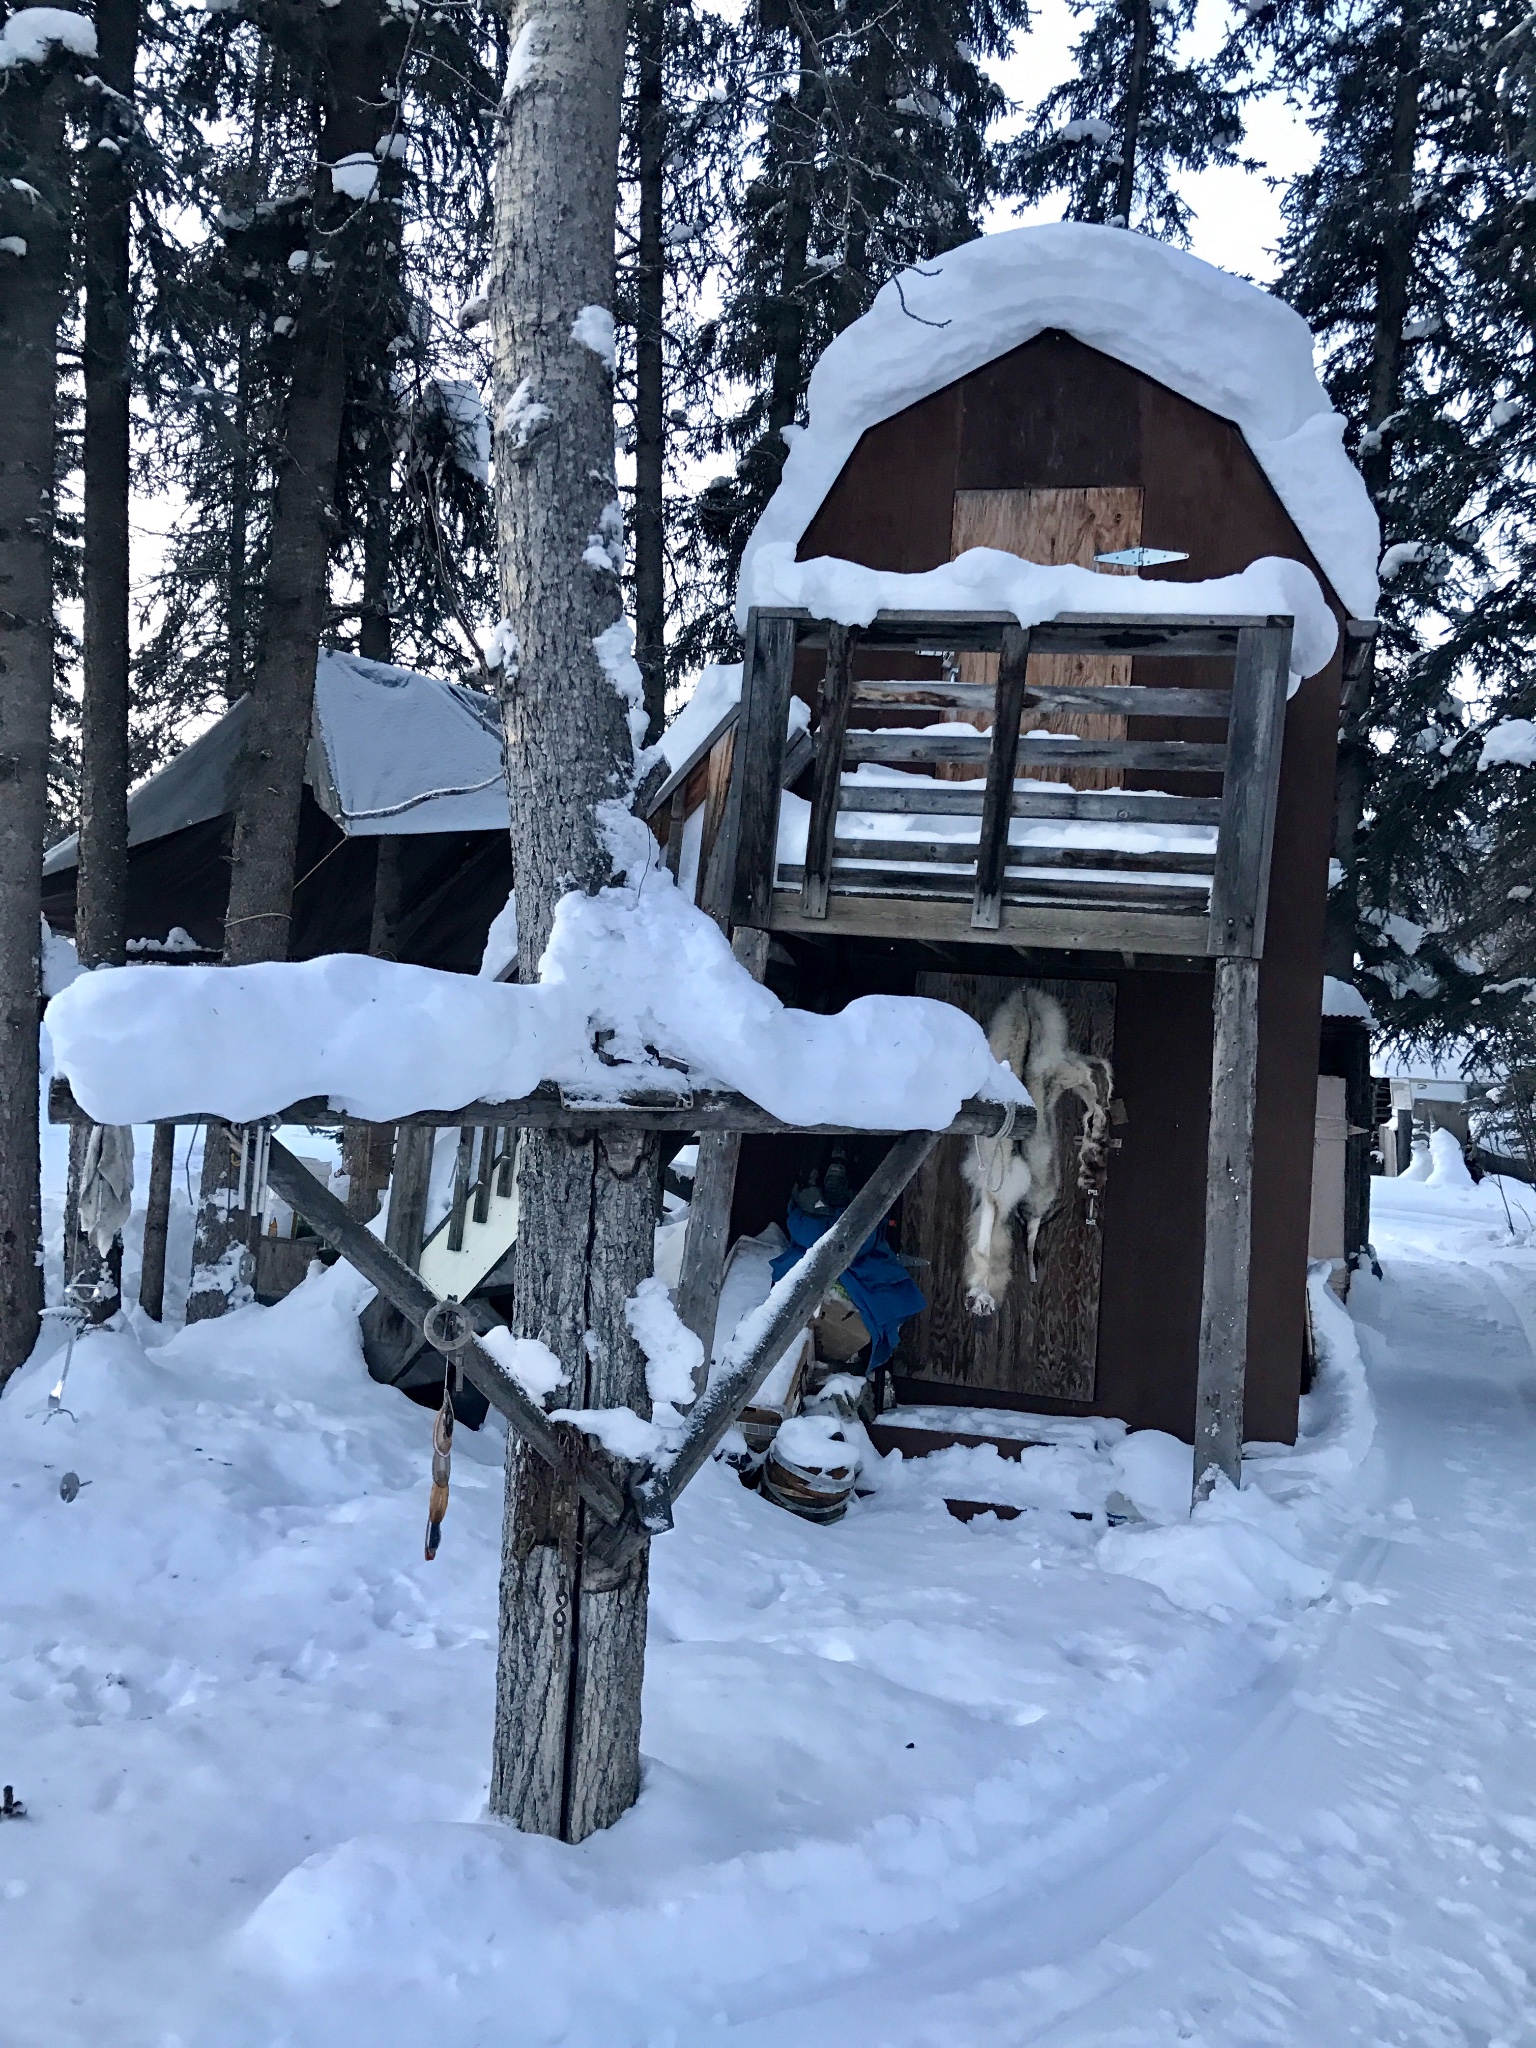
(934, 883)
(962, 853)
(1181, 633)
(642, 1507)
(1089, 806)
(918, 744)
(546, 1109)
(1133, 700)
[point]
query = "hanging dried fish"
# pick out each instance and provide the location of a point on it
(442, 1454)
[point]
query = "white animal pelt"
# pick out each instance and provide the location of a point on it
(1029, 1033)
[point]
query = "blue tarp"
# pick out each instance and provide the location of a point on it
(877, 1283)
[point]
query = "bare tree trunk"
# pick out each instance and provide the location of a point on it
(566, 1747)
(237, 607)
(157, 1222)
(102, 893)
(267, 820)
(31, 304)
(796, 120)
(1394, 284)
(101, 896)
(650, 401)
(237, 594)
(1130, 122)
(260, 907)
(375, 639)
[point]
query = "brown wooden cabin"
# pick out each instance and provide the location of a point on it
(440, 853)
(1058, 452)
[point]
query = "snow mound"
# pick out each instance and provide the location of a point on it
(1242, 1554)
(382, 1040)
(1213, 338)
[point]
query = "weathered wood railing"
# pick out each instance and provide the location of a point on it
(1205, 900)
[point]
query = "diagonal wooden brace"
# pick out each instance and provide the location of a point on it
(566, 1453)
(790, 1305)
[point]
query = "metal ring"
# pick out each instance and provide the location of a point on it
(446, 1327)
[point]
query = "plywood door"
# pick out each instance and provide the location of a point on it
(1055, 527)
(1043, 1341)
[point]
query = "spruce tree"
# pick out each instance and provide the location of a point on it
(874, 151)
(1379, 256)
(1140, 111)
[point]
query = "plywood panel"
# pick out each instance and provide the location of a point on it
(1055, 526)
(1043, 1342)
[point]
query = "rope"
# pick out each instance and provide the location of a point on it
(999, 1163)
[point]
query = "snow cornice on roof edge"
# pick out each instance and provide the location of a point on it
(1216, 340)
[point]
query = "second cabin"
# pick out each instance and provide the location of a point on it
(1060, 394)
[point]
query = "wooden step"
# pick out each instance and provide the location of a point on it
(919, 1432)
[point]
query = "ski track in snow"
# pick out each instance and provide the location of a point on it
(909, 1785)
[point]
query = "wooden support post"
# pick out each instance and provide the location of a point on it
(792, 1303)
(758, 764)
(709, 1211)
(677, 823)
(389, 1340)
(836, 696)
(157, 1222)
(1240, 885)
(997, 805)
(1228, 1228)
(461, 1166)
(408, 1189)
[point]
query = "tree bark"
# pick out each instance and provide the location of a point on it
(31, 304)
(797, 121)
(261, 877)
(1130, 124)
(1394, 285)
(101, 895)
(237, 593)
(259, 912)
(566, 1746)
(375, 639)
(102, 892)
(650, 399)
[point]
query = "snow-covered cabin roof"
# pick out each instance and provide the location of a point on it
(391, 751)
(1216, 340)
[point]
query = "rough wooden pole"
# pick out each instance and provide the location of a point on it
(1228, 1228)
(157, 1222)
(566, 1754)
(31, 304)
(707, 1239)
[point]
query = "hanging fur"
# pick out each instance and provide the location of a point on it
(1029, 1033)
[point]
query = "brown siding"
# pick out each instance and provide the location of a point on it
(1056, 414)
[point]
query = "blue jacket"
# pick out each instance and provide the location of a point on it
(877, 1283)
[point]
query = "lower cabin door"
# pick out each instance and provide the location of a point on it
(1042, 1339)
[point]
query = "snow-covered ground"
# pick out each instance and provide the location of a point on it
(910, 1784)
